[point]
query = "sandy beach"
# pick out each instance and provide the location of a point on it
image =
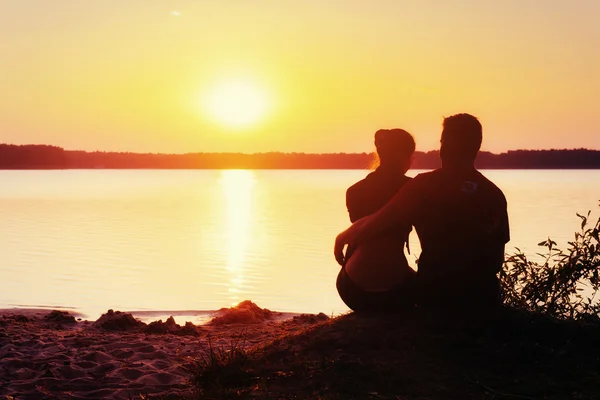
(52, 354)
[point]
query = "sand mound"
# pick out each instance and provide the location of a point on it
(60, 317)
(6, 319)
(125, 322)
(118, 321)
(169, 326)
(310, 318)
(244, 313)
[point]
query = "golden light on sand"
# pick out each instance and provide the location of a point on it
(237, 186)
(236, 103)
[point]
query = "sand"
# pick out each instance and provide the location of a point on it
(47, 354)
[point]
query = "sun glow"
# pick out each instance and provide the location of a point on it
(236, 103)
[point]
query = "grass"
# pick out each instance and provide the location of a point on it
(220, 368)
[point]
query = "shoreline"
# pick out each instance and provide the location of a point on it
(198, 317)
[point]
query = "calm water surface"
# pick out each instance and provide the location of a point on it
(202, 240)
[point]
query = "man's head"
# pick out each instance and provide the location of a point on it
(395, 147)
(461, 139)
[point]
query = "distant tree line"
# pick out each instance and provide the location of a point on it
(53, 157)
(540, 159)
(32, 157)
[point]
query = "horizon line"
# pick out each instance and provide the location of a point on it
(281, 152)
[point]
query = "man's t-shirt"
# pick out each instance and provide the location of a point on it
(461, 219)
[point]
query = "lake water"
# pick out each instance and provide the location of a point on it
(206, 239)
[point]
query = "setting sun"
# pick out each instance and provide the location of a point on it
(236, 103)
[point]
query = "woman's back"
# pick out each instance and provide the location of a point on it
(370, 194)
(379, 264)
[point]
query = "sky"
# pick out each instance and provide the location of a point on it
(178, 76)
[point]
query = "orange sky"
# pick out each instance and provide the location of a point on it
(140, 75)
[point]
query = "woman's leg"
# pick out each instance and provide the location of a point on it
(351, 295)
(359, 300)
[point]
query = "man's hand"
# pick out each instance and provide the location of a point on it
(338, 248)
(363, 229)
(348, 237)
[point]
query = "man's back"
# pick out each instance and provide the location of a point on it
(462, 223)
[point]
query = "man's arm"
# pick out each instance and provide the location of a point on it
(494, 249)
(501, 236)
(398, 209)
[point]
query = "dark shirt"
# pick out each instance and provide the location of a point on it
(462, 222)
(367, 196)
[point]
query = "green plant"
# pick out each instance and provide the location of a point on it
(564, 284)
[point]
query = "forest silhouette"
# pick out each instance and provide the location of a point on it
(54, 157)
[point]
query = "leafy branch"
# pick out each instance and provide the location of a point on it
(564, 284)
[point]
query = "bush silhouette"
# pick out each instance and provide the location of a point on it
(564, 284)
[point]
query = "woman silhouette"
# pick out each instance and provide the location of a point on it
(376, 275)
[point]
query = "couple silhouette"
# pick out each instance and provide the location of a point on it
(459, 215)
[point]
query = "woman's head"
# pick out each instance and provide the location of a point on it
(395, 147)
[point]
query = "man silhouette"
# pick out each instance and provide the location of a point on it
(460, 218)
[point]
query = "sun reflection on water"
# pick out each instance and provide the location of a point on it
(237, 187)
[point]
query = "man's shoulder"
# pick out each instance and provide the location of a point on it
(441, 179)
(426, 177)
(491, 187)
(430, 174)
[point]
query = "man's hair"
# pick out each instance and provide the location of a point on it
(461, 137)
